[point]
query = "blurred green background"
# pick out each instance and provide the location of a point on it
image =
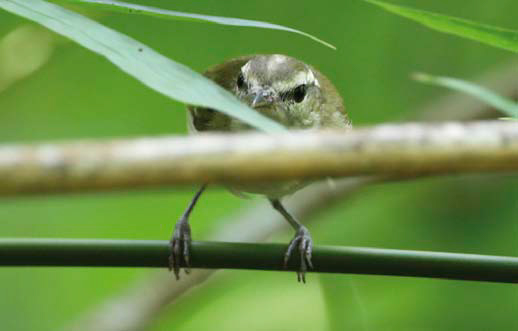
(77, 94)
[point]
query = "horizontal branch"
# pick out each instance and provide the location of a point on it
(390, 150)
(137, 305)
(223, 255)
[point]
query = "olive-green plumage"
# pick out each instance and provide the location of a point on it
(281, 88)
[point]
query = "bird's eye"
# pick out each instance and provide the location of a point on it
(299, 93)
(240, 81)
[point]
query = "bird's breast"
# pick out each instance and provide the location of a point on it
(273, 190)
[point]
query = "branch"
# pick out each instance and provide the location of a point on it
(141, 303)
(224, 255)
(390, 150)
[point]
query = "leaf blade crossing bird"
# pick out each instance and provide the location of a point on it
(285, 90)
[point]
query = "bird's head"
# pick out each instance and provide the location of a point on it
(280, 87)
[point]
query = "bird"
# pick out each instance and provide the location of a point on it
(286, 90)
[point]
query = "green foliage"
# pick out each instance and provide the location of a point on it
(491, 35)
(129, 8)
(80, 95)
(505, 105)
(140, 61)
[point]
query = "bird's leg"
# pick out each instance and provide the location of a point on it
(180, 242)
(302, 241)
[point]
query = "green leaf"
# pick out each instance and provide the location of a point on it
(486, 34)
(148, 66)
(129, 8)
(507, 106)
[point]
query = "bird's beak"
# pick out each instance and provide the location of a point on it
(262, 99)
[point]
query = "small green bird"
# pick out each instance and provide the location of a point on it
(285, 90)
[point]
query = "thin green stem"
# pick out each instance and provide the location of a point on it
(224, 255)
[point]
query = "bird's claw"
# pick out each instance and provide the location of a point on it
(303, 242)
(180, 245)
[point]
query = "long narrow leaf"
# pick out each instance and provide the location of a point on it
(509, 107)
(491, 35)
(151, 68)
(129, 8)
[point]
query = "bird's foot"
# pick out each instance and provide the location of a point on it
(303, 242)
(180, 245)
